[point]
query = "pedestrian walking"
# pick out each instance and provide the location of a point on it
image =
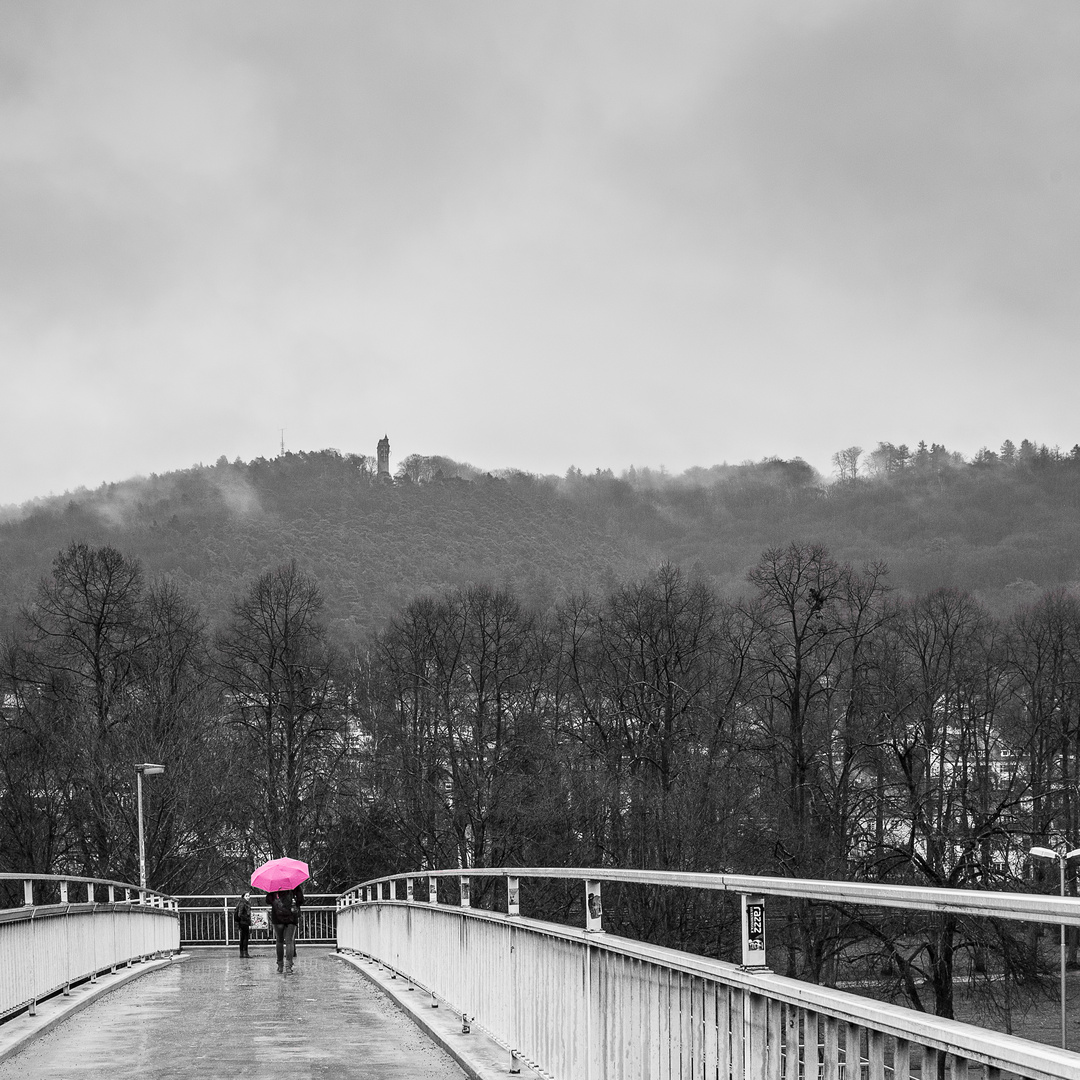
(280, 879)
(242, 914)
(285, 915)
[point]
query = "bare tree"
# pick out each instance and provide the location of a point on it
(462, 727)
(278, 672)
(85, 634)
(814, 620)
(847, 463)
(104, 672)
(954, 807)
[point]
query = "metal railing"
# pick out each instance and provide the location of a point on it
(71, 929)
(580, 1004)
(207, 920)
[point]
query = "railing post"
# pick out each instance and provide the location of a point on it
(594, 909)
(28, 892)
(89, 892)
(513, 910)
(112, 894)
(63, 892)
(225, 904)
(753, 933)
(409, 889)
(433, 890)
(594, 913)
(393, 888)
(466, 899)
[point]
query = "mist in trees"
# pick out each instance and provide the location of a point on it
(1000, 526)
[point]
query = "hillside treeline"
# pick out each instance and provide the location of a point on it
(1002, 527)
(817, 724)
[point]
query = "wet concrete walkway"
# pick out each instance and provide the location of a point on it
(216, 1015)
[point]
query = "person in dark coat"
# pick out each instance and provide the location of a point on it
(285, 915)
(242, 914)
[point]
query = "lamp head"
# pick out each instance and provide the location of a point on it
(149, 769)
(1043, 853)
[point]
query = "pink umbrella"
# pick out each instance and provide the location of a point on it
(279, 874)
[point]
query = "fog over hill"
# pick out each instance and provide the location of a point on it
(1003, 529)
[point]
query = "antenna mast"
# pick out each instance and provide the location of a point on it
(282, 442)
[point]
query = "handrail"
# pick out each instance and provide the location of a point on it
(63, 880)
(48, 948)
(1023, 907)
(616, 1004)
(954, 1036)
(309, 898)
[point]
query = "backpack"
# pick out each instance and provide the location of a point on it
(283, 907)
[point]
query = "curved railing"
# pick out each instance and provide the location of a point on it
(579, 1003)
(71, 929)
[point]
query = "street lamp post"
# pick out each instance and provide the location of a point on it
(1063, 861)
(145, 769)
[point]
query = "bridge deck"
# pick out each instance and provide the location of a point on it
(217, 1015)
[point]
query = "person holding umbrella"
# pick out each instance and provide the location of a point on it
(281, 880)
(285, 915)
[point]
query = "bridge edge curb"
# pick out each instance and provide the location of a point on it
(485, 1048)
(55, 1010)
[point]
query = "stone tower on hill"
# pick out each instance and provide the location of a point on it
(383, 450)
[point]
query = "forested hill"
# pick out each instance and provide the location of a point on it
(1003, 531)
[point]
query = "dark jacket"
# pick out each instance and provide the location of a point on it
(285, 906)
(243, 912)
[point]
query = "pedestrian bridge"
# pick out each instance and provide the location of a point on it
(568, 1002)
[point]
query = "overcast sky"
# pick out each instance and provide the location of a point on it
(533, 235)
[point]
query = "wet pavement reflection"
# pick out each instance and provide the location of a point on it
(218, 1015)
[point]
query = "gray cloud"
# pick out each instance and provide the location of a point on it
(614, 231)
